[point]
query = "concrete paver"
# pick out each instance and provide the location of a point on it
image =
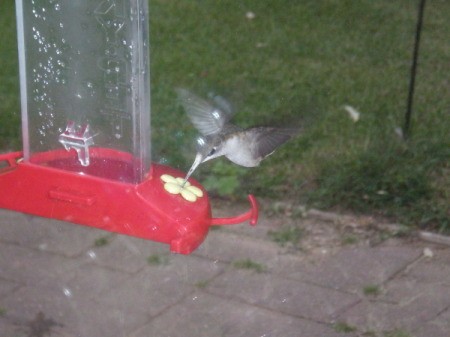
(7, 286)
(409, 315)
(57, 280)
(439, 327)
(228, 247)
(9, 329)
(203, 315)
(122, 253)
(433, 329)
(33, 267)
(352, 269)
(47, 235)
(436, 272)
(283, 295)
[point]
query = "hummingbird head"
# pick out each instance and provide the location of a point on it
(206, 149)
(209, 148)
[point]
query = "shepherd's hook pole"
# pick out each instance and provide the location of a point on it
(406, 131)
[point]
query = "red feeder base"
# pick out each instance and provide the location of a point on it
(54, 185)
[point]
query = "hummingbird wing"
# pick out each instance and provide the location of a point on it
(266, 140)
(223, 104)
(207, 118)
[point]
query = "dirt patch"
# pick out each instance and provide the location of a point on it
(310, 232)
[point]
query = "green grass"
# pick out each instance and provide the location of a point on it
(343, 327)
(407, 181)
(158, 260)
(349, 239)
(288, 235)
(249, 265)
(396, 333)
(103, 241)
(9, 80)
(299, 62)
(202, 284)
(371, 290)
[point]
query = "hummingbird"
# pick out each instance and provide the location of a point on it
(245, 147)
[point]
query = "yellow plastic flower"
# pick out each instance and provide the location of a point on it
(175, 186)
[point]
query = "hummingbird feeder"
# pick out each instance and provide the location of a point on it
(84, 83)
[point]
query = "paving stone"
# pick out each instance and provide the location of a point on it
(147, 293)
(19, 228)
(190, 269)
(55, 268)
(229, 247)
(65, 238)
(93, 281)
(433, 329)
(7, 286)
(142, 247)
(431, 270)
(30, 266)
(132, 255)
(46, 234)
(75, 302)
(99, 319)
(352, 269)
(405, 289)
(424, 304)
(223, 246)
(444, 317)
(72, 315)
(442, 255)
(24, 304)
(205, 315)
(8, 329)
(124, 253)
(283, 295)
(286, 264)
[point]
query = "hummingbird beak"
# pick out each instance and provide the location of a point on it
(197, 161)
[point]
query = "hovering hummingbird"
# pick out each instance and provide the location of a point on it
(245, 147)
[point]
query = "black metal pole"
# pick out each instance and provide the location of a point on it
(406, 128)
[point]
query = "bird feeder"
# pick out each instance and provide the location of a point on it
(84, 84)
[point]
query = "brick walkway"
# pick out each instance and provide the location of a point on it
(60, 279)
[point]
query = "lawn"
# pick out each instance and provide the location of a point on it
(298, 63)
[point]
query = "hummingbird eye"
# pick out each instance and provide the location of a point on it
(212, 152)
